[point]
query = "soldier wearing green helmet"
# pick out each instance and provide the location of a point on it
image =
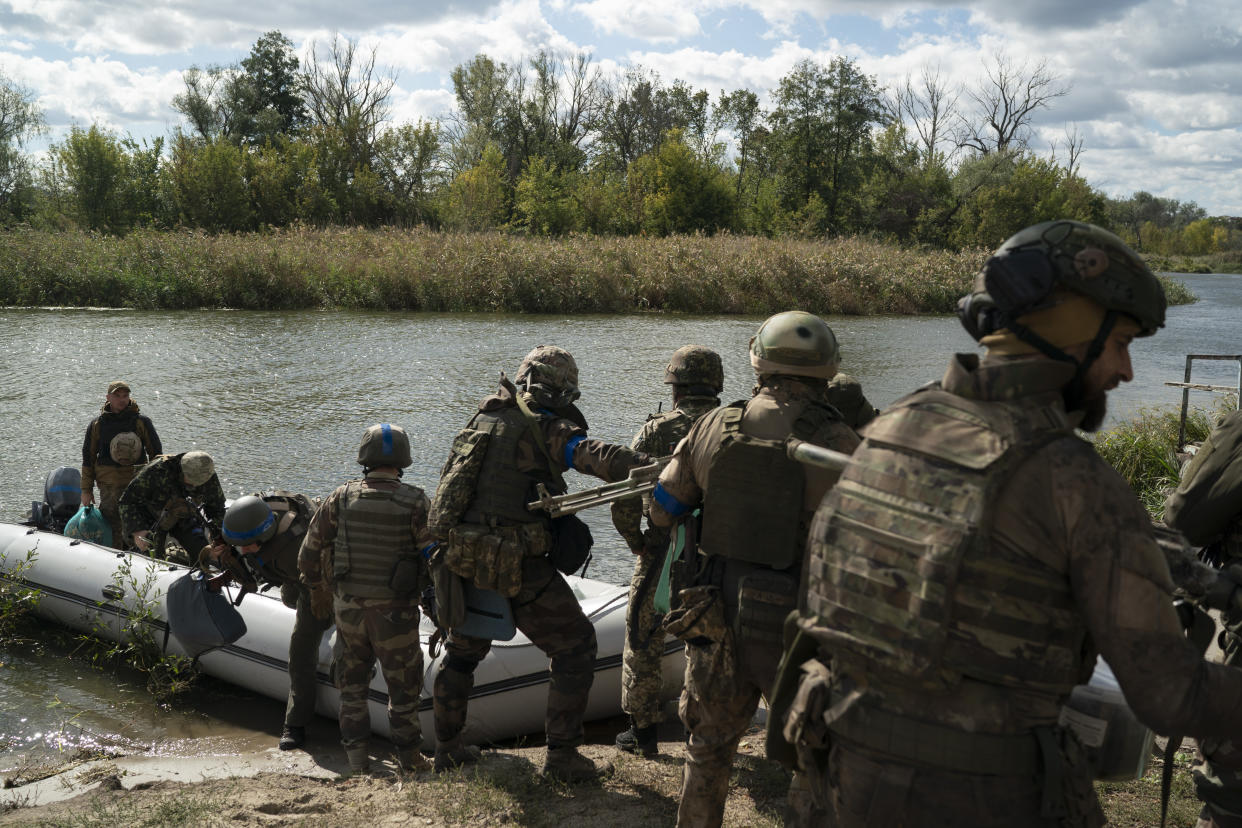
(756, 505)
(266, 533)
(697, 378)
(975, 557)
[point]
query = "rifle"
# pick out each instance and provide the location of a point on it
(1193, 579)
(641, 480)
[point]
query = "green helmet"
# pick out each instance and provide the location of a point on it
(550, 374)
(1071, 255)
(197, 468)
(695, 365)
(248, 520)
(384, 444)
(797, 343)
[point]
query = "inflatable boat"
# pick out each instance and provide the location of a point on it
(100, 590)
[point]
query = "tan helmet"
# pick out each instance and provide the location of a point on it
(197, 468)
(795, 343)
(384, 444)
(126, 448)
(550, 374)
(695, 365)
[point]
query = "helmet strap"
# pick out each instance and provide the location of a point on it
(1075, 391)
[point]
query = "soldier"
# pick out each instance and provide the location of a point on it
(533, 433)
(156, 498)
(117, 442)
(362, 562)
(976, 555)
(267, 533)
(845, 394)
(1207, 509)
(697, 377)
(751, 540)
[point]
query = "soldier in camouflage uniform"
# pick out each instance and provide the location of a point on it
(117, 443)
(751, 540)
(1207, 509)
(697, 377)
(536, 433)
(366, 544)
(845, 394)
(267, 533)
(155, 499)
(976, 555)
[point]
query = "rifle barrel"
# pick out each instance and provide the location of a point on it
(814, 455)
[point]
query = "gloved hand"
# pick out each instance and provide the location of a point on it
(321, 602)
(216, 582)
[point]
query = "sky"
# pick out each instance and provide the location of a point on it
(1155, 86)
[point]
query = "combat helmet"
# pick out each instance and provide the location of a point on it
(197, 468)
(248, 520)
(796, 343)
(384, 444)
(1023, 273)
(550, 375)
(125, 448)
(695, 365)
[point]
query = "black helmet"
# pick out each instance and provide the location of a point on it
(384, 444)
(248, 520)
(1024, 272)
(695, 365)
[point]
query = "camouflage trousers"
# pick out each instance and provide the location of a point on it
(716, 722)
(547, 613)
(1218, 765)
(303, 661)
(865, 790)
(112, 481)
(384, 629)
(641, 669)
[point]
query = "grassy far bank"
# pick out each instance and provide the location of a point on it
(428, 271)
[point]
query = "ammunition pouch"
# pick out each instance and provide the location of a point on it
(800, 648)
(571, 544)
(289, 595)
(765, 599)
(700, 622)
(491, 557)
(406, 577)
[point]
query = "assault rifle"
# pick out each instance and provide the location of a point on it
(1195, 580)
(641, 480)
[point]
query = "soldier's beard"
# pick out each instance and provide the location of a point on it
(1094, 408)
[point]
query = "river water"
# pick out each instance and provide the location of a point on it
(281, 400)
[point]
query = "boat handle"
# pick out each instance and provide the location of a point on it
(113, 593)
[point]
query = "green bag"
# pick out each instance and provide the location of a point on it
(89, 524)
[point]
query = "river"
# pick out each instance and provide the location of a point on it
(281, 400)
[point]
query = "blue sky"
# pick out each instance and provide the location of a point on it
(1156, 85)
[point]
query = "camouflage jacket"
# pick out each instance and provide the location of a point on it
(158, 487)
(658, 437)
(845, 394)
(770, 414)
(321, 535)
(1068, 511)
(1208, 501)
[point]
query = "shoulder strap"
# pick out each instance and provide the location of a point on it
(537, 433)
(95, 439)
(144, 435)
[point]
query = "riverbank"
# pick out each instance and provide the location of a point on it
(427, 271)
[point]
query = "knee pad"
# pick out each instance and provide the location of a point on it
(459, 664)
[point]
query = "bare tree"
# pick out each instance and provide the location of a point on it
(1073, 148)
(929, 108)
(1003, 103)
(343, 90)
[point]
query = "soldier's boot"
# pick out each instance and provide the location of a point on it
(640, 740)
(411, 760)
(292, 737)
(454, 754)
(566, 764)
(359, 761)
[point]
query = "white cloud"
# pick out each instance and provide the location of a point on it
(657, 21)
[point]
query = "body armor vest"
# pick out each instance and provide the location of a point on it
(107, 426)
(903, 584)
(503, 491)
(748, 472)
(373, 534)
(278, 557)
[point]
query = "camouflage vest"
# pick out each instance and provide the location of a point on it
(903, 587)
(752, 509)
(373, 534)
(502, 490)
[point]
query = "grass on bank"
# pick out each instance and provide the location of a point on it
(391, 269)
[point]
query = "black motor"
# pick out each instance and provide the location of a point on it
(62, 495)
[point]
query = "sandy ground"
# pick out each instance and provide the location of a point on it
(268, 787)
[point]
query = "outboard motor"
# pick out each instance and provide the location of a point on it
(62, 495)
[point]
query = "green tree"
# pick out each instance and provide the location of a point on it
(205, 185)
(478, 199)
(407, 162)
(675, 191)
(544, 200)
(93, 167)
(21, 119)
(272, 69)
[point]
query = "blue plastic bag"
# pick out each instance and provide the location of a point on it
(88, 524)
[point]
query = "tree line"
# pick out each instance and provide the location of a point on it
(552, 145)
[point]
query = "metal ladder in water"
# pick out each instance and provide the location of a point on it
(1187, 386)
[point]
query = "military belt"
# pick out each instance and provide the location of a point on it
(937, 746)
